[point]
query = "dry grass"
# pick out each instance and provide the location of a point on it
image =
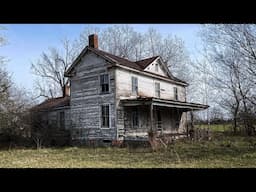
(227, 152)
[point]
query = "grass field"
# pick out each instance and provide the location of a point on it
(217, 127)
(227, 152)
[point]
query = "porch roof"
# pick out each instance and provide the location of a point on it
(185, 106)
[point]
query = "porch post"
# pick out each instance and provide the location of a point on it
(151, 117)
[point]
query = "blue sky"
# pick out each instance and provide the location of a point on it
(26, 42)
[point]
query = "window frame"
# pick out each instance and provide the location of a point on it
(157, 91)
(104, 83)
(101, 116)
(175, 92)
(61, 121)
(135, 86)
(135, 111)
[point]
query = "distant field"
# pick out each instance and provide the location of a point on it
(217, 127)
(221, 152)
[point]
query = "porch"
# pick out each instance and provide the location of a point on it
(164, 116)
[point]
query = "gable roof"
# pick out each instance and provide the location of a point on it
(145, 62)
(138, 65)
(53, 103)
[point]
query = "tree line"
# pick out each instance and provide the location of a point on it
(223, 76)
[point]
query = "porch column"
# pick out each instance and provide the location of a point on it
(151, 117)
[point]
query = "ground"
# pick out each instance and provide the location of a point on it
(223, 151)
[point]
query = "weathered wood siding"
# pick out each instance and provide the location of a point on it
(87, 99)
(146, 86)
(152, 68)
(52, 118)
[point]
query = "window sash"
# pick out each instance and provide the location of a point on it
(135, 85)
(157, 89)
(135, 118)
(105, 116)
(104, 83)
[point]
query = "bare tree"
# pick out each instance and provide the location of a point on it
(120, 40)
(50, 70)
(230, 52)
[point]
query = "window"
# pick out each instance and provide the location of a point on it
(159, 120)
(105, 116)
(175, 90)
(157, 89)
(135, 118)
(104, 83)
(135, 85)
(62, 120)
(156, 67)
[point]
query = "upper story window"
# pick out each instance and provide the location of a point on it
(135, 85)
(175, 90)
(157, 89)
(104, 83)
(156, 67)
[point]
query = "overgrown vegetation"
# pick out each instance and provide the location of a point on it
(223, 151)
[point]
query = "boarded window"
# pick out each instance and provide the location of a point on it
(135, 85)
(135, 118)
(104, 83)
(157, 89)
(175, 90)
(105, 116)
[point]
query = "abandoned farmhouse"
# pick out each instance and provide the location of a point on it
(109, 98)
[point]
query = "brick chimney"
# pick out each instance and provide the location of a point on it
(66, 90)
(93, 41)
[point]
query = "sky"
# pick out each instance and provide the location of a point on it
(26, 42)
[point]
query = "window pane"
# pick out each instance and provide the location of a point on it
(157, 89)
(135, 118)
(105, 115)
(134, 85)
(104, 83)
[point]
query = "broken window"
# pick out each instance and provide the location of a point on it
(104, 83)
(105, 116)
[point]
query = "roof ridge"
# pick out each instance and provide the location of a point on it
(147, 58)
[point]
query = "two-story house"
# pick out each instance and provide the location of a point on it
(112, 98)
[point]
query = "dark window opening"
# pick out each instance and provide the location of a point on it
(62, 120)
(175, 93)
(135, 118)
(159, 120)
(104, 83)
(105, 116)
